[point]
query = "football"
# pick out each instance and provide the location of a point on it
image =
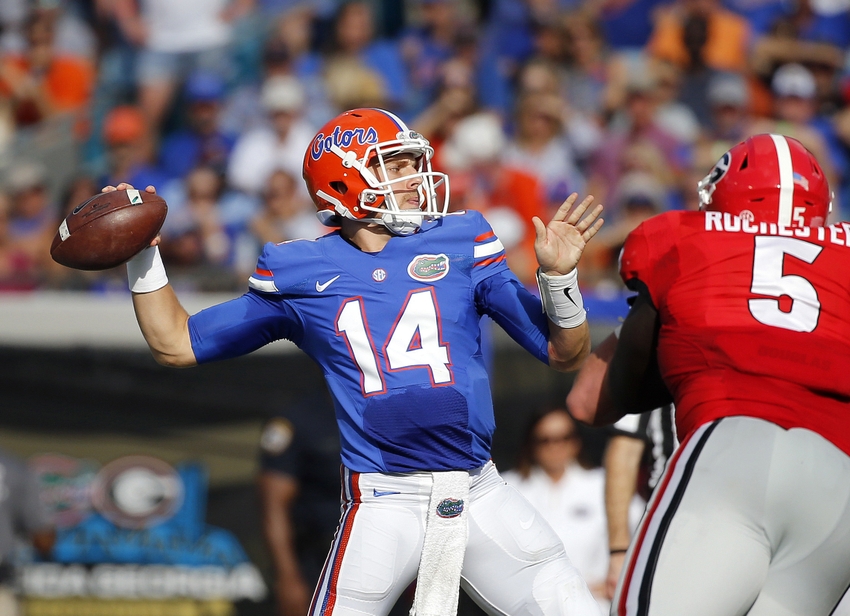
(108, 229)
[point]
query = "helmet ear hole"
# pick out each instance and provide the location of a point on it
(339, 187)
(744, 163)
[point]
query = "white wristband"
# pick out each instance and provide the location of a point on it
(561, 299)
(145, 271)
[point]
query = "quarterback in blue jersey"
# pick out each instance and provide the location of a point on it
(389, 306)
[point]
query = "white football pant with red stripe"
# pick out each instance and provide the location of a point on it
(514, 564)
(748, 518)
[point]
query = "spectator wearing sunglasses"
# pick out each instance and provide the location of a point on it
(570, 497)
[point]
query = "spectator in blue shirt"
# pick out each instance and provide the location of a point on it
(201, 142)
(426, 46)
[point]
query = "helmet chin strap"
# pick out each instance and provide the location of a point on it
(395, 221)
(399, 227)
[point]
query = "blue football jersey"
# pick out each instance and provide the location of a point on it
(397, 334)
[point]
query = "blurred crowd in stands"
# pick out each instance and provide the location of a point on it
(525, 101)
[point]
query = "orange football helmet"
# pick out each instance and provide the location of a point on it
(342, 184)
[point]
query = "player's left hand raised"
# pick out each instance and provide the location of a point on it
(559, 244)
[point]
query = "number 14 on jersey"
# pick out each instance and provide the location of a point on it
(414, 342)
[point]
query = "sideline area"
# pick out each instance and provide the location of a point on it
(59, 319)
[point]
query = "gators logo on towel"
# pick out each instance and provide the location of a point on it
(450, 508)
(428, 268)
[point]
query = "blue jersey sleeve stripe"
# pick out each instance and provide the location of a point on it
(263, 280)
(489, 249)
(487, 262)
(263, 286)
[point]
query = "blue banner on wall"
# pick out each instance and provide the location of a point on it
(135, 528)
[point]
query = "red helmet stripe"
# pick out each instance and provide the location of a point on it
(786, 180)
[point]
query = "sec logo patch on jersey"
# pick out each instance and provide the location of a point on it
(277, 436)
(428, 268)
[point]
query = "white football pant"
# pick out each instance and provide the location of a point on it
(514, 565)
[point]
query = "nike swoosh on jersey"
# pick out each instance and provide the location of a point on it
(376, 492)
(321, 287)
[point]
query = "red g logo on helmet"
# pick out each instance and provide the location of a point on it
(772, 178)
(339, 168)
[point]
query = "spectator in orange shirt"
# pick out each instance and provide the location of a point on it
(41, 82)
(728, 35)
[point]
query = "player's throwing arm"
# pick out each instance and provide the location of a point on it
(163, 321)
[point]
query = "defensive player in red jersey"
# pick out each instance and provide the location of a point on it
(742, 317)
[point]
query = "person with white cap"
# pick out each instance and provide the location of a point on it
(280, 144)
(484, 180)
(795, 115)
(729, 121)
(729, 102)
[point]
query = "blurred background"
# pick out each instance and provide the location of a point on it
(127, 488)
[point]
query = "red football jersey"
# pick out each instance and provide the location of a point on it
(755, 318)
